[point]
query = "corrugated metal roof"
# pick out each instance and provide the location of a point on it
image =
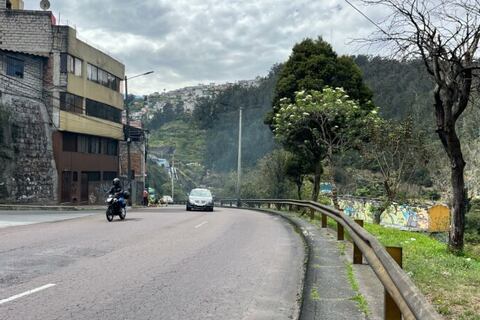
(37, 54)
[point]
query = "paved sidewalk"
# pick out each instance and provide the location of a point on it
(328, 292)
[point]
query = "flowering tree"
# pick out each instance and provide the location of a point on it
(322, 124)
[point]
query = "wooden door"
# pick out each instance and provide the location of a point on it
(66, 186)
(84, 187)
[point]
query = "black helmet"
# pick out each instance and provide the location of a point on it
(116, 182)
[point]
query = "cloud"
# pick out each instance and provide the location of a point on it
(191, 41)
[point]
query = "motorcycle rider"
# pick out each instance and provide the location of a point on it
(117, 191)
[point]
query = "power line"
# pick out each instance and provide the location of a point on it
(368, 18)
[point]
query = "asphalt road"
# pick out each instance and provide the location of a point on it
(161, 263)
(9, 218)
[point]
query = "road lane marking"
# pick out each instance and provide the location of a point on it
(26, 293)
(201, 224)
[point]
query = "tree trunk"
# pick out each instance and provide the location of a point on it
(377, 215)
(459, 198)
(451, 144)
(299, 189)
(336, 205)
(316, 180)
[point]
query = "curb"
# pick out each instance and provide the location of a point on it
(47, 208)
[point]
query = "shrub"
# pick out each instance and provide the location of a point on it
(472, 222)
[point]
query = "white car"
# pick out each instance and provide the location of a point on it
(200, 199)
(167, 199)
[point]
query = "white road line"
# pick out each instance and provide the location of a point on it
(201, 224)
(26, 293)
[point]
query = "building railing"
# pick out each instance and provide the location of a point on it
(402, 297)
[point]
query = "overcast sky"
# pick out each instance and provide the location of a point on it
(187, 42)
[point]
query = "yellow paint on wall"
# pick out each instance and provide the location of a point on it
(439, 219)
(17, 4)
(94, 91)
(80, 85)
(94, 56)
(73, 122)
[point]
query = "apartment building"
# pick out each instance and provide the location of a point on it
(80, 92)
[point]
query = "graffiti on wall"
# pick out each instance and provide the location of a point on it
(399, 215)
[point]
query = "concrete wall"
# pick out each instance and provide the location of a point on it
(26, 31)
(89, 89)
(88, 125)
(96, 57)
(32, 82)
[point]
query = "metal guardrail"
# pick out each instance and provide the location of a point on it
(402, 297)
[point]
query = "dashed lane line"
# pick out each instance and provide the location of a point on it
(26, 293)
(201, 224)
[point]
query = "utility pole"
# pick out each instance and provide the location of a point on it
(239, 160)
(129, 140)
(172, 172)
(129, 161)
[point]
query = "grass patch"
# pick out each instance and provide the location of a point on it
(361, 303)
(314, 294)
(450, 282)
(358, 298)
(341, 247)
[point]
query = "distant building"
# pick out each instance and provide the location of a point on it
(66, 109)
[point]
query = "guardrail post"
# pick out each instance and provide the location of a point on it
(290, 207)
(312, 213)
(391, 310)
(324, 220)
(357, 253)
(268, 205)
(340, 233)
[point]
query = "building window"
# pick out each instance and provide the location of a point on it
(112, 147)
(103, 111)
(109, 175)
(75, 176)
(70, 102)
(69, 142)
(92, 73)
(93, 175)
(103, 77)
(75, 142)
(82, 144)
(15, 67)
(94, 145)
(71, 64)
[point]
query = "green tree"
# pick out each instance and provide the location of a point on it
(314, 65)
(273, 171)
(297, 169)
(321, 124)
(399, 152)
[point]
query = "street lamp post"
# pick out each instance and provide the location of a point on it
(239, 159)
(129, 140)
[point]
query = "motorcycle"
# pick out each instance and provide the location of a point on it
(116, 207)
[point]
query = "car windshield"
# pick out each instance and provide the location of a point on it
(200, 193)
